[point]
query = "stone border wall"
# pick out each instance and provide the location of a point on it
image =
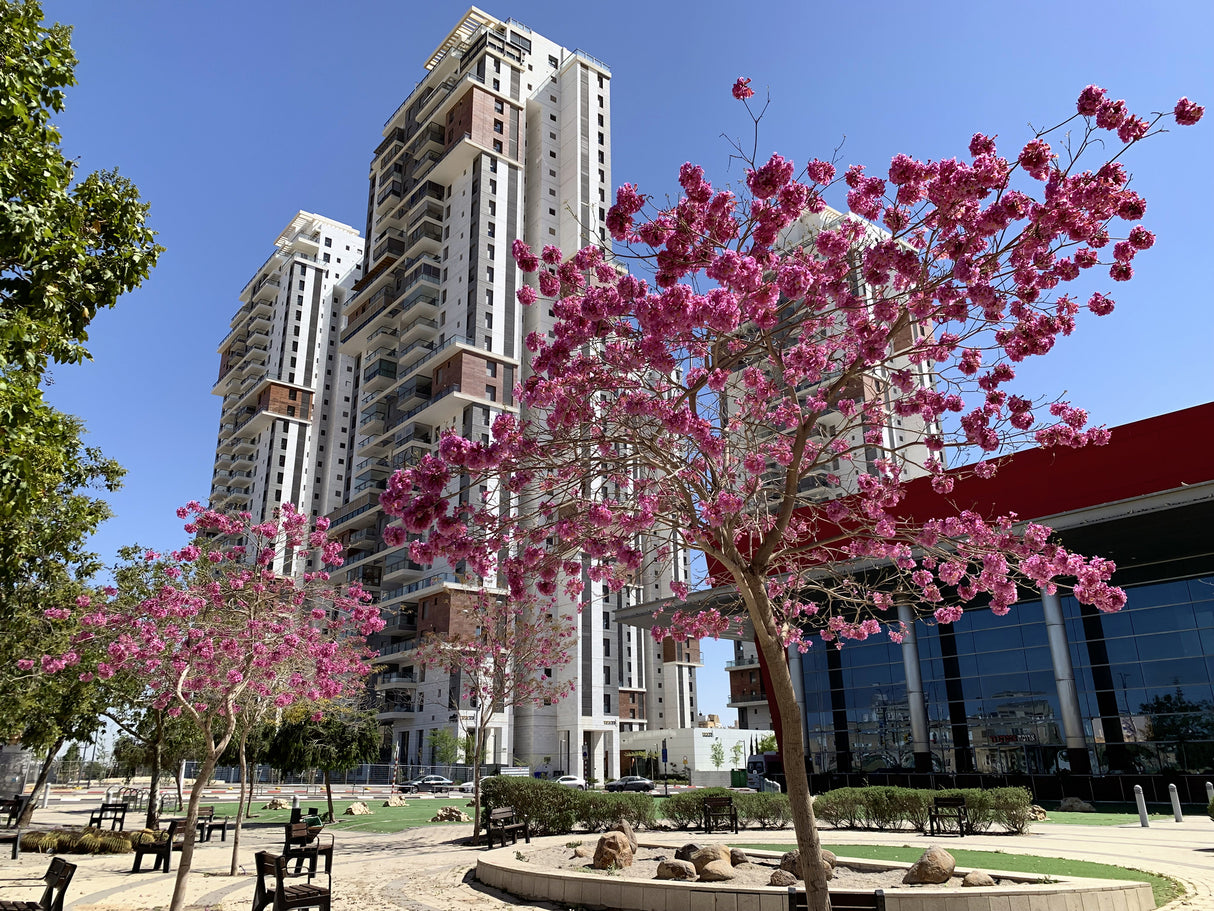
(500, 869)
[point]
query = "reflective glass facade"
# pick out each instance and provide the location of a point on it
(1143, 677)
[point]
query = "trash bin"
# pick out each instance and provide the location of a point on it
(737, 778)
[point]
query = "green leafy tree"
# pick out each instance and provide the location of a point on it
(68, 248)
(767, 744)
(342, 739)
(446, 746)
(738, 754)
(718, 754)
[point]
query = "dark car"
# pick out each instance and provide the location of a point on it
(426, 783)
(630, 783)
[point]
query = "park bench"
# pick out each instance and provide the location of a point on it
(301, 815)
(302, 842)
(946, 812)
(113, 813)
(58, 875)
(12, 835)
(207, 824)
(11, 809)
(161, 848)
(504, 821)
(281, 896)
(720, 811)
(840, 901)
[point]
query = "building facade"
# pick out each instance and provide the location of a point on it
(507, 136)
(286, 389)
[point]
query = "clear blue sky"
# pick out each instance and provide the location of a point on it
(232, 116)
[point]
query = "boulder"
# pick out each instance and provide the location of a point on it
(934, 867)
(582, 851)
(738, 856)
(676, 869)
(396, 800)
(685, 852)
(1037, 814)
(358, 808)
(791, 862)
(613, 852)
(277, 803)
(782, 878)
(624, 826)
(977, 878)
(829, 857)
(1075, 805)
(707, 855)
(716, 871)
(450, 814)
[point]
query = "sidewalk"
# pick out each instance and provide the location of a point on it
(427, 869)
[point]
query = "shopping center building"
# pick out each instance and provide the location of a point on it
(1055, 695)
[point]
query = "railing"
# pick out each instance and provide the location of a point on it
(422, 407)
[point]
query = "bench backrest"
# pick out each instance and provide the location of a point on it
(501, 814)
(716, 803)
(206, 814)
(840, 901)
(58, 875)
(949, 802)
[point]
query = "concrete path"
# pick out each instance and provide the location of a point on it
(428, 869)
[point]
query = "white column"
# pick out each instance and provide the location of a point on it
(917, 704)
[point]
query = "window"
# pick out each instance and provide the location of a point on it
(606, 703)
(326, 257)
(553, 62)
(328, 241)
(301, 284)
(491, 368)
(498, 107)
(493, 165)
(602, 176)
(600, 101)
(552, 117)
(497, 145)
(600, 136)
(607, 674)
(489, 251)
(488, 320)
(489, 273)
(292, 394)
(498, 127)
(299, 299)
(602, 160)
(491, 393)
(491, 229)
(497, 85)
(600, 119)
(606, 648)
(492, 189)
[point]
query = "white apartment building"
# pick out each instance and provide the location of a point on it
(286, 389)
(506, 136)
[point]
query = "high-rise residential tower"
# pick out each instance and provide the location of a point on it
(286, 390)
(506, 136)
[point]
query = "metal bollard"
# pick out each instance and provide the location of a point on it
(109, 794)
(294, 801)
(1142, 806)
(1209, 792)
(1175, 803)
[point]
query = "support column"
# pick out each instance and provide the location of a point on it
(917, 704)
(798, 688)
(1064, 679)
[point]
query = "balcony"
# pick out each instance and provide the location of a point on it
(748, 697)
(413, 433)
(399, 622)
(394, 190)
(736, 663)
(379, 376)
(421, 327)
(373, 419)
(399, 565)
(266, 290)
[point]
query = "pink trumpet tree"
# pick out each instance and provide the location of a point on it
(767, 393)
(226, 631)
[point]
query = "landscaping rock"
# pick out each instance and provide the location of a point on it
(582, 851)
(1037, 814)
(782, 878)
(1075, 805)
(624, 826)
(677, 869)
(829, 857)
(277, 803)
(935, 866)
(707, 855)
(450, 814)
(738, 856)
(791, 862)
(977, 878)
(396, 800)
(685, 852)
(613, 852)
(716, 871)
(358, 808)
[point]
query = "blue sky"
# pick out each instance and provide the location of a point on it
(232, 116)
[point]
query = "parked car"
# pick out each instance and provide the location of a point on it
(630, 783)
(426, 783)
(468, 787)
(572, 781)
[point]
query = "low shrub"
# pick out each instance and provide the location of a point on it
(767, 810)
(601, 811)
(892, 808)
(682, 810)
(842, 808)
(1012, 808)
(549, 808)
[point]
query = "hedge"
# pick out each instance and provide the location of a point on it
(895, 808)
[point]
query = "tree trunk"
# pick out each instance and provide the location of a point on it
(181, 781)
(152, 820)
(329, 793)
(753, 589)
(27, 812)
(244, 739)
(201, 779)
(249, 776)
(478, 751)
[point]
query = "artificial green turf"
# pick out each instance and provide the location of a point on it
(1164, 888)
(416, 812)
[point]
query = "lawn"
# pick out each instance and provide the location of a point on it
(416, 812)
(1164, 888)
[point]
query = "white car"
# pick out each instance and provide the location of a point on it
(468, 787)
(572, 781)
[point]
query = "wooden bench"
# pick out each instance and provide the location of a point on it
(946, 812)
(720, 811)
(840, 901)
(504, 821)
(283, 897)
(13, 835)
(207, 824)
(302, 842)
(11, 809)
(161, 848)
(113, 813)
(58, 875)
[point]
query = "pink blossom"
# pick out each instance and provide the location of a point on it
(742, 89)
(1187, 112)
(1090, 100)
